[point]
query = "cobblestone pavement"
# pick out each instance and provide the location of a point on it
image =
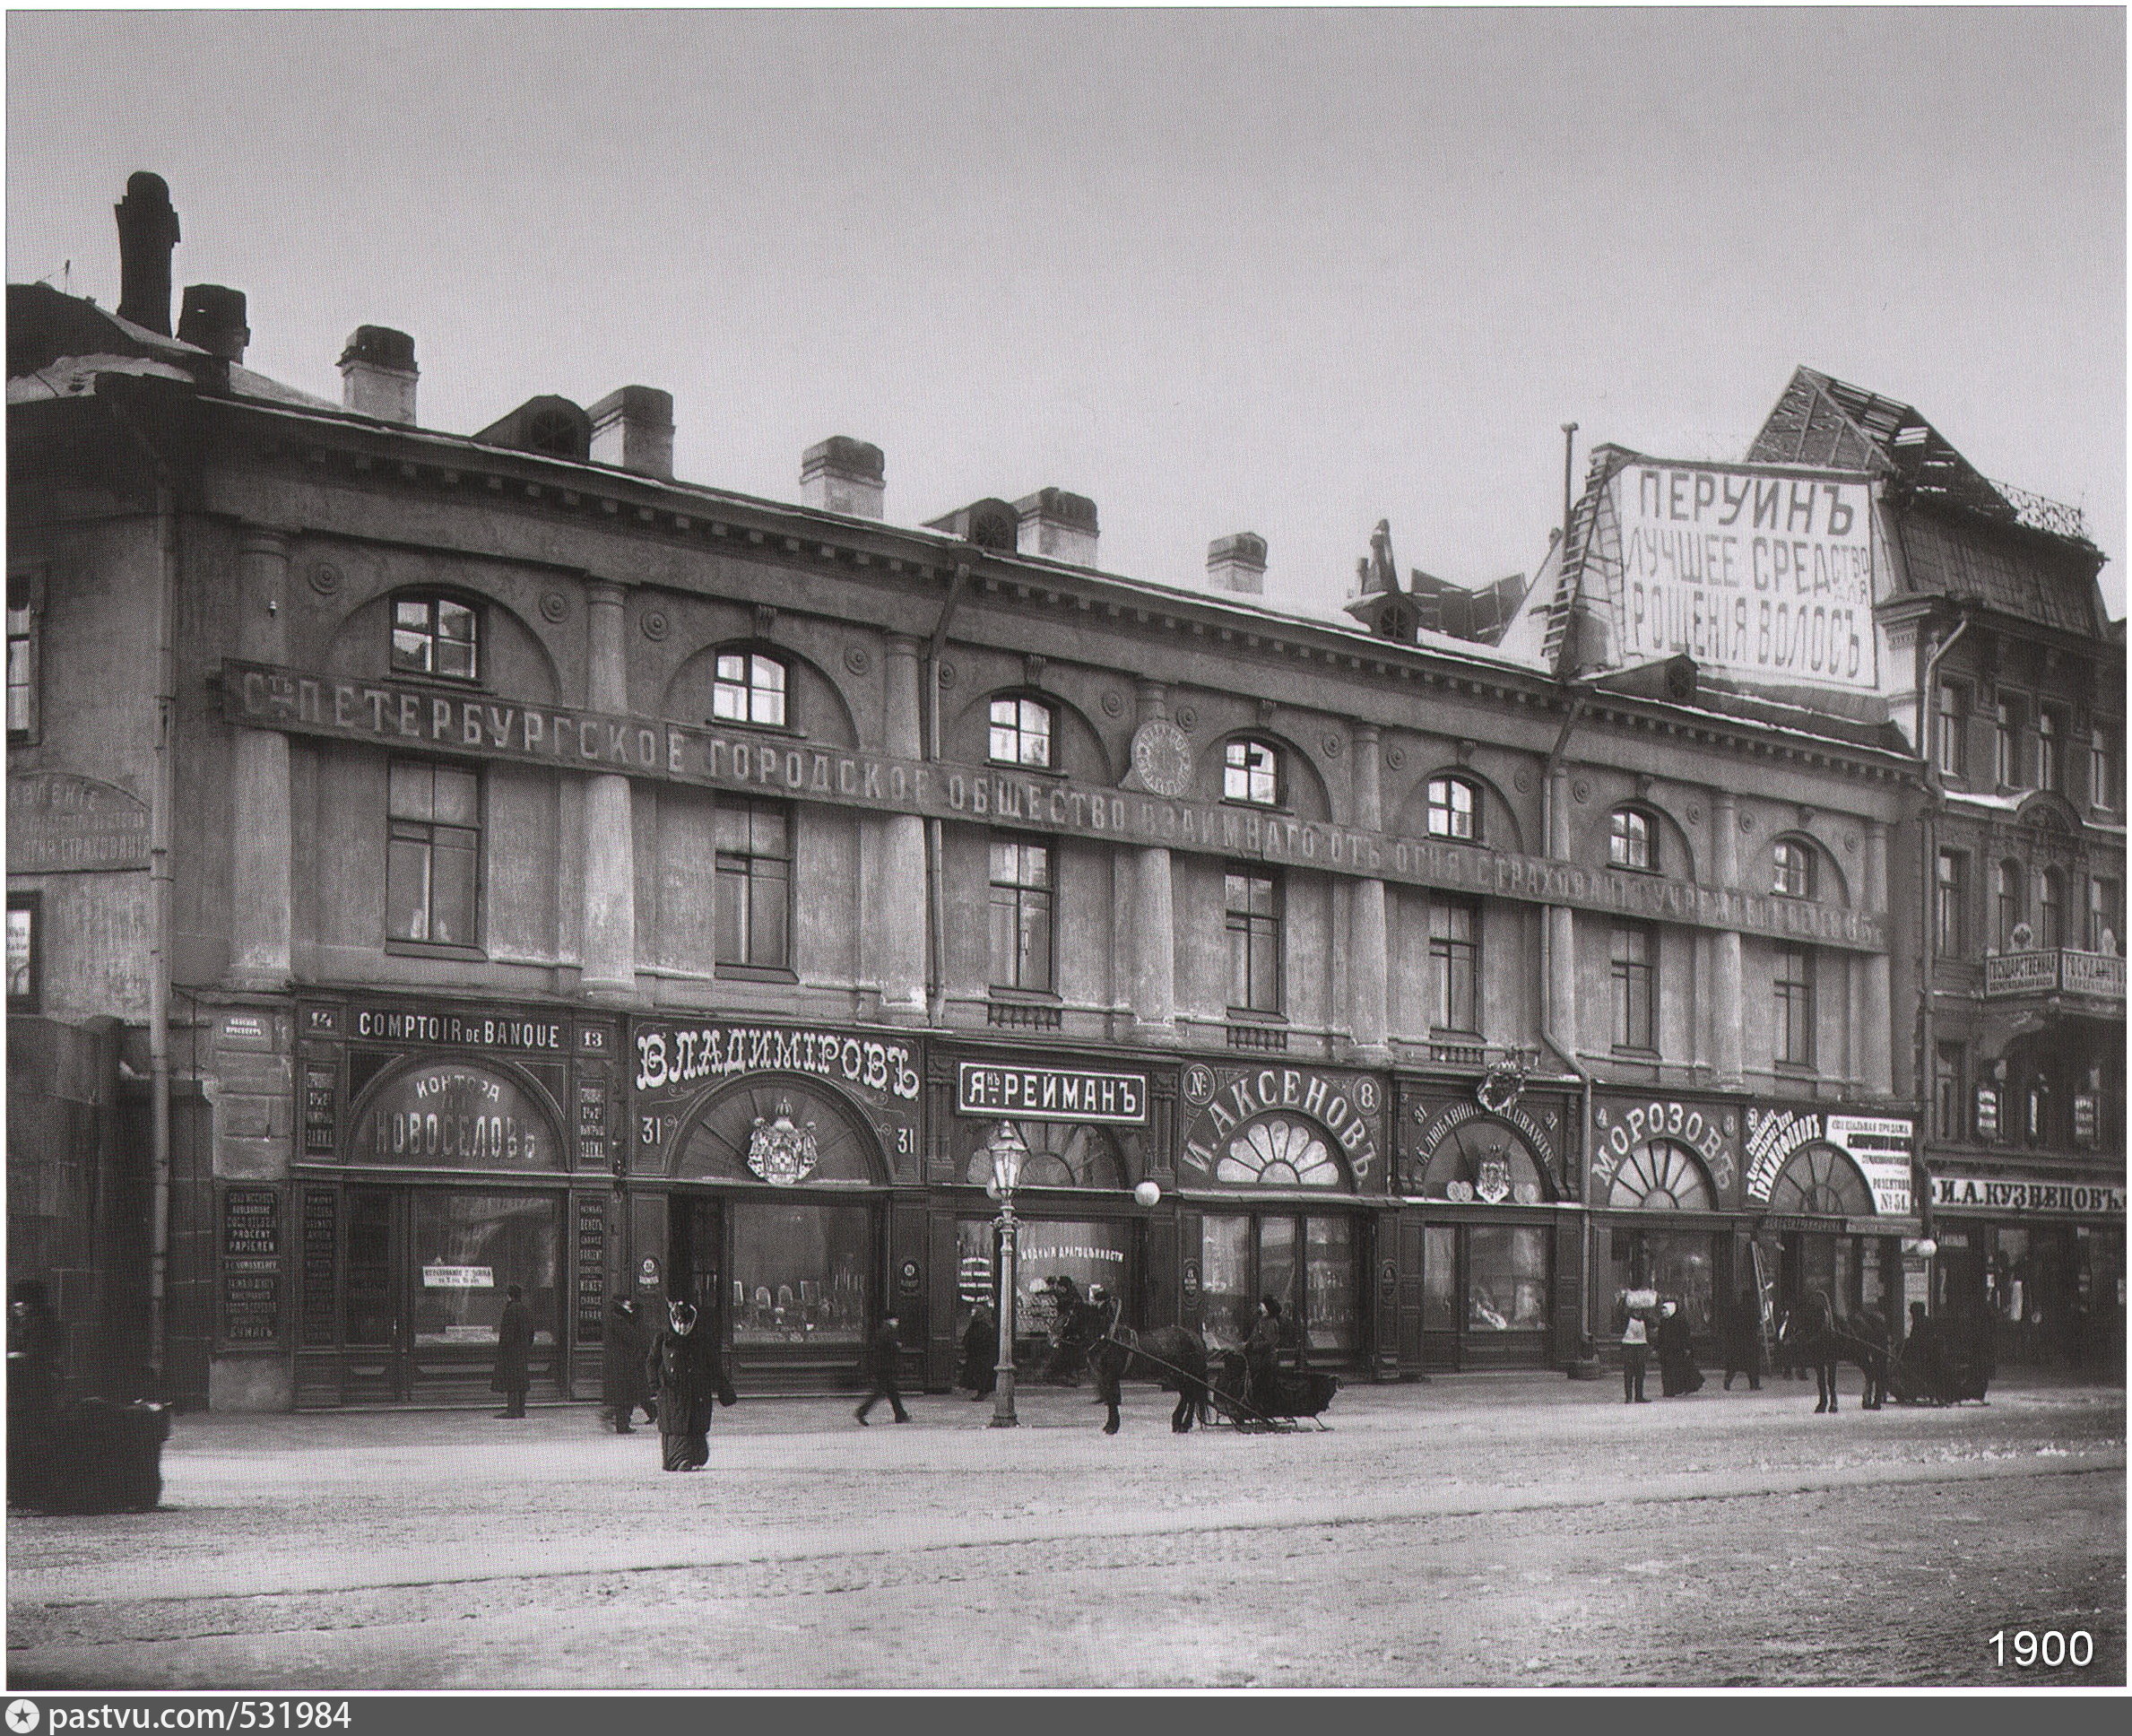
(1481, 1531)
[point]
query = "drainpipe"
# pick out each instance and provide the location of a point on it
(936, 964)
(159, 917)
(1586, 1366)
(1936, 797)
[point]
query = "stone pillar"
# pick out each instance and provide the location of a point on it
(1154, 920)
(1727, 1006)
(900, 916)
(1876, 1041)
(1369, 963)
(609, 944)
(261, 918)
(1562, 926)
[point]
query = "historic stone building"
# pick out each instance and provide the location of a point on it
(508, 863)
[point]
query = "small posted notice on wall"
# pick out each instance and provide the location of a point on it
(458, 1278)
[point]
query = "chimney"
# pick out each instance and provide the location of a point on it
(843, 476)
(1237, 563)
(633, 429)
(378, 374)
(213, 318)
(1058, 525)
(147, 232)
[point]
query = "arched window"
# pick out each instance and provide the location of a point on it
(1483, 1160)
(1022, 733)
(1251, 772)
(1793, 862)
(2050, 909)
(435, 635)
(2006, 903)
(1454, 809)
(1061, 1154)
(1821, 1182)
(752, 688)
(1629, 843)
(1660, 1176)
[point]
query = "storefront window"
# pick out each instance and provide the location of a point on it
(1506, 1278)
(1330, 1310)
(1306, 1265)
(799, 1273)
(1089, 1252)
(1440, 1278)
(469, 1249)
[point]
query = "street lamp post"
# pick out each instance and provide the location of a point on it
(1007, 1150)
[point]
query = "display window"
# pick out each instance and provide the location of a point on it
(799, 1274)
(1087, 1251)
(1307, 1261)
(1486, 1294)
(1680, 1264)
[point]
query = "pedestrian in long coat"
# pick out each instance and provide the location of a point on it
(1261, 1357)
(884, 1352)
(1678, 1373)
(622, 1387)
(980, 1353)
(1742, 1338)
(514, 1354)
(687, 1375)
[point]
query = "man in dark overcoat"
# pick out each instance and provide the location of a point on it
(514, 1354)
(884, 1350)
(1261, 1357)
(622, 1388)
(1743, 1340)
(687, 1374)
(980, 1352)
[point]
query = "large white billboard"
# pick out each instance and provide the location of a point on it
(1765, 575)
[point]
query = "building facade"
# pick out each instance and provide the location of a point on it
(506, 863)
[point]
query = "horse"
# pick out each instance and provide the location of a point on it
(1813, 1336)
(1173, 1357)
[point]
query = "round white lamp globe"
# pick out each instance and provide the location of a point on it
(1148, 1193)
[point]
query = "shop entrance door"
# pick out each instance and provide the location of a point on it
(428, 1272)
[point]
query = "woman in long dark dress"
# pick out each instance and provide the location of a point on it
(980, 1353)
(687, 1374)
(1678, 1373)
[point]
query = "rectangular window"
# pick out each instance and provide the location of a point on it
(24, 965)
(2050, 742)
(1454, 965)
(1795, 1006)
(2101, 770)
(749, 687)
(1949, 1097)
(1953, 746)
(2006, 741)
(2005, 898)
(1021, 913)
(2105, 915)
(434, 636)
(754, 885)
(22, 669)
(432, 870)
(1635, 986)
(1950, 899)
(1253, 903)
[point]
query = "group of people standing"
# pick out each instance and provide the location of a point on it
(1649, 1322)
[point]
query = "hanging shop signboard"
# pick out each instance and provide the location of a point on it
(1051, 1094)
(389, 715)
(1969, 1193)
(1879, 1145)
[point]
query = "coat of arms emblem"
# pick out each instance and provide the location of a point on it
(780, 1151)
(1491, 1181)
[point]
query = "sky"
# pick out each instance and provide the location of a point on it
(1288, 272)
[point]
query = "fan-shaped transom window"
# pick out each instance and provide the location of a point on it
(1021, 731)
(1279, 1150)
(1454, 809)
(1821, 1182)
(1660, 1176)
(1484, 1160)
(1792, 865)
(750, 689)
(435, 635)
(1251, 772)
(1061, 1154)
(1630, 842)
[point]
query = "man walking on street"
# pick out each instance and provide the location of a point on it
(882, 1351)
